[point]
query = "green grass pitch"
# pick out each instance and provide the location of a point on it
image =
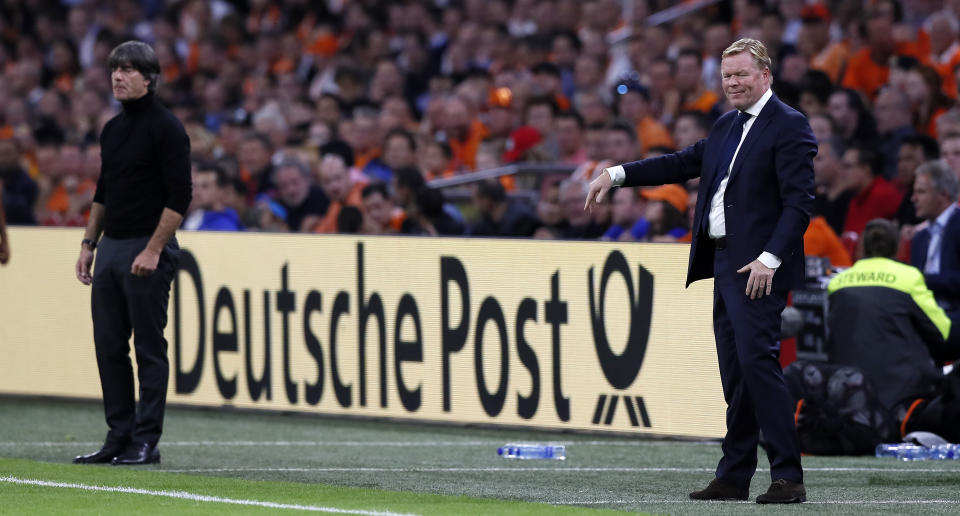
(227, 462)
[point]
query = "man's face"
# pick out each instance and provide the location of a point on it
(292, 186)
(839, 108)
(929, 203)
(205, 189)
(633, 106)
(334, 178)
(568, 135)
(378, 208)
(686, 132)
(596, 144)
(950, 152)
(854, 175)
(571, 202)
(540, 117)
(910, 157)
(433, 159)
(619, 147)
(128, 83)
(254, 156)
(397, 153)
(688, 73)
(825, 165)
(624, 206)
(743, 82)
(890, 111)
(9, 155)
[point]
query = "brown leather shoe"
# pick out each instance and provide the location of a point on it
(720, 490)
(784, 491)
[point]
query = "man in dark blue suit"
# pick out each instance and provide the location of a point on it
(757, 191)
(935, 250)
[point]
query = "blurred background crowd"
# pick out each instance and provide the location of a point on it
(349, 115)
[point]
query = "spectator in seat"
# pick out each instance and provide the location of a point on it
(19, 191)
(335, 181)
(581, 223)
(914, 151)
(304, 201)
(832, 197)
(217, 216)
(873, 196)
(935, 250)
(595, 138)
(855, 124)
(499, 215)
(894, 123)
(381, 216)
(256, 169)
(950, 151)
(666, 213)
(431, 217)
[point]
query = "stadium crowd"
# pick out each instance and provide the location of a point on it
(334, 116)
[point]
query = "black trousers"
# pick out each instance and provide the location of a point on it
(122, 303)
(748, 333)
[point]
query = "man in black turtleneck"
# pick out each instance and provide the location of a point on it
(143, 191)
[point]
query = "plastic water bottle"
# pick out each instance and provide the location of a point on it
(903, 451)
(945, 452)
(532, 451)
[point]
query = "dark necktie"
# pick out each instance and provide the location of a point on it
(729, 148)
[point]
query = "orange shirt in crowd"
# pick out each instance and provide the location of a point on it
(867, 76)
(703, 103)
(653, 134)
(821, 240)
(945, 68)
(465, 151)
(832, 59)
(328, 224)
(363, 158)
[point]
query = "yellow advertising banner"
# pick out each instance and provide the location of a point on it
(544, 334)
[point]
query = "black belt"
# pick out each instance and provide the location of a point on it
(720, 243)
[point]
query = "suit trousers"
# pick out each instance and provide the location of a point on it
(747, 332)
(122, 303)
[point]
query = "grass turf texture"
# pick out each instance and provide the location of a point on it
(318, 461)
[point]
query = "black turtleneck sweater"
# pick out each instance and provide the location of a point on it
(145, 154)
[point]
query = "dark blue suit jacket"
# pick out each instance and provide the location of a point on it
(946, 285)
(769, 195)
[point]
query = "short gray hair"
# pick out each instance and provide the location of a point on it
(139, 56)
(942, 177)
(300, 166)
(755, 48)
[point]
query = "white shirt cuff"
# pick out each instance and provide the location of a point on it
(616, 174)
(769, 260)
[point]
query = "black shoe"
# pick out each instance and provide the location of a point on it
(784, 491)
(720, 490)
(136, 454)
(102, 456)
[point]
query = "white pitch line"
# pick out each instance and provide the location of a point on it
(184, 495)
(559, 468)
(347, 443)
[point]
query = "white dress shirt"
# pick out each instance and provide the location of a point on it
(716, 222)
(936, 238)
